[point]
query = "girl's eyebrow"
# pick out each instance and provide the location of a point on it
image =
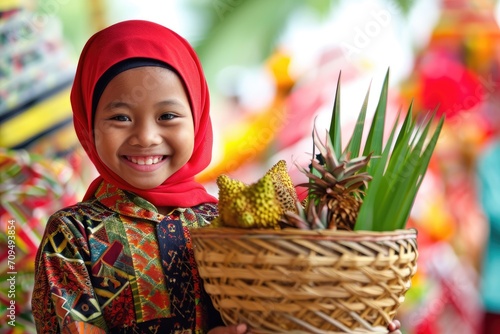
(121, 104)
(169, 102)
(116, 104)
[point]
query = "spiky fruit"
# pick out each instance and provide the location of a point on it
(248, 206)
(228, 190)
(258, 205)
(283, 186)
(336, 184)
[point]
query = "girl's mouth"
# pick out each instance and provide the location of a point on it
(145, 160)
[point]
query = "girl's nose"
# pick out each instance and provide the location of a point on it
(145, 134)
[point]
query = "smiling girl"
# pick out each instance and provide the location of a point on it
(121, 261)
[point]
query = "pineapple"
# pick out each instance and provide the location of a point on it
(336, 188)
(338, 193)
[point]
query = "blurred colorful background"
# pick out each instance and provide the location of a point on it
(272, 67)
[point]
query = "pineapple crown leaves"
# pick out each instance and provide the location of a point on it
(337, 165)
(345, 172)
(335, 169)
(306, 218)
(400, 164)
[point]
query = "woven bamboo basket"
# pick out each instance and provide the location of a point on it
(299, 281)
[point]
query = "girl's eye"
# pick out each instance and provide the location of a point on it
(121, 118)
(167, 116)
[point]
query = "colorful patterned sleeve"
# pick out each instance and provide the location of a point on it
(63, 298)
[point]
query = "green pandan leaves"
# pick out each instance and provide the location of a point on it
(398, 165)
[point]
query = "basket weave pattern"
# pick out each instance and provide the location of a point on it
(306, 281)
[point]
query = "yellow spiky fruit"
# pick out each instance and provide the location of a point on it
(248, 206)
(228, 190)
(283, 186)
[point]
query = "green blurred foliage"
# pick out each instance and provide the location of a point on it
(75, 19)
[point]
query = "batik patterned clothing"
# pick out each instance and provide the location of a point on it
(113, 264)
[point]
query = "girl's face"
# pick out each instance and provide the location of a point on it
(143, 125)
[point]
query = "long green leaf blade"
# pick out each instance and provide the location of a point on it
(374, 142)
(335, 123)
(411, 195)
(354, 145)
(367, 216)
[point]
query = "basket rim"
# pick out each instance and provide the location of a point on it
(288, 233)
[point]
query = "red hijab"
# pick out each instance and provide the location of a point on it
(143, 39)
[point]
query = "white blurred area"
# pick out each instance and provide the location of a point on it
(172, 13)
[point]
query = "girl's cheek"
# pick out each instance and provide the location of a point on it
(98, 135)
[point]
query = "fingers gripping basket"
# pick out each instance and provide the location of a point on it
(306, 281)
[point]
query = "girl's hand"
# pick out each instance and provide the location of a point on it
(233, 329)
(394, 327)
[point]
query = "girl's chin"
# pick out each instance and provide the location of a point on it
(143, 186)
(145, 182)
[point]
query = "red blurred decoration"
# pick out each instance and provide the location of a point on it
(448, 84)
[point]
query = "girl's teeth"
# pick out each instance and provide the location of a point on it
(146, 161)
